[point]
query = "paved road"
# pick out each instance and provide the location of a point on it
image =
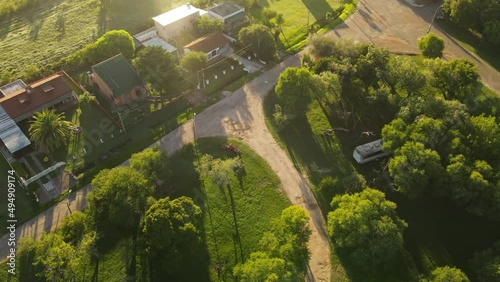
(238, 115)
(397, 25)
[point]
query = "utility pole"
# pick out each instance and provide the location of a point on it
(121, 121)
(432, 21)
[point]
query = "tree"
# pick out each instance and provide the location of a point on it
(194, 61)
(294, 90)
(118, 198)
(486, 264)
(457, 79)
(56, 258)
(110, 44)
(280, 119)
(49, 130)
(26, 255)
(218, 170)
(158, 68)
(407, 74)
(414, 167)
(448, 274)
(86, 99)
(322, 46)
(366, 226)
(431, 46)
(74, 227)
(288, 239)
(260, 267)
(171, 229)
(152, 163)
(260, 40)
(206, 25)
(483, 137)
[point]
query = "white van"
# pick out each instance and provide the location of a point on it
(369, 152)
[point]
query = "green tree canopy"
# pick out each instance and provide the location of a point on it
(414, 167)
(407, 74)
(457, 79)
(86, 99)
(294, 90)
(260, 267)
(158, 68)
(206, 25)
(110, 44)
(448, 274)
(366, 226)
(74, 227)
(218, 170)
(152, 163)
(486, 264)
(260, 40)
(194, 61)
(431, 46)
(118, 198)
(171, 229)
(49, 130)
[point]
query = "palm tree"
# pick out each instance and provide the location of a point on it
(86, 98)
(49, 130)
(280, 20)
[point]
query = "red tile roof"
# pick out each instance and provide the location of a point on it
(208, 43)
(42, 92)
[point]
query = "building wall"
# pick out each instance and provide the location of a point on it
(103, 87)
(176, 28)
(222, 50)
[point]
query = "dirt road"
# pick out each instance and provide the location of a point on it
(396, 25)
(238, 115)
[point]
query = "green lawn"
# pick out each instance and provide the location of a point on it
(257, 201)
(485, 50)
(296, 14)
(42, 35)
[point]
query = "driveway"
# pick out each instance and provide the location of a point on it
(397, 25)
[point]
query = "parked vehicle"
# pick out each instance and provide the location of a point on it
(369, 152)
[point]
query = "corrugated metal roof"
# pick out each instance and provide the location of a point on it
(11, 135)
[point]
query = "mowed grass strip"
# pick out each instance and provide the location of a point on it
(296, 14)
(230, 235)
(53, 29)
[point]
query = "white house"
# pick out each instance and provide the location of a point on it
(177, 21)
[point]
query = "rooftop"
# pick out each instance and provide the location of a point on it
(118, 74)
(12, 87)
(369, 148)
(225, 9)
(35, 95)
(176, 14)
(208, 43)
(11, 135)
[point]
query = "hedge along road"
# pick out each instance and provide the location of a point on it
(239, 115)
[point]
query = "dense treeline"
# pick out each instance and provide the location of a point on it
(482, 16)
(443, 135)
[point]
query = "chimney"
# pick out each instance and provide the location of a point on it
(188, 6)
(28, 89)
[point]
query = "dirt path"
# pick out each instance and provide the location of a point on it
(239, 115)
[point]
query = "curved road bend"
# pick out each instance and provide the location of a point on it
(239, 115)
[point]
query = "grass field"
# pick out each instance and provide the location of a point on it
(56, 28)
(297, 14)
(231, 232)
(486, 51)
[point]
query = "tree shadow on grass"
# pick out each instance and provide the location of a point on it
(318, 9)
